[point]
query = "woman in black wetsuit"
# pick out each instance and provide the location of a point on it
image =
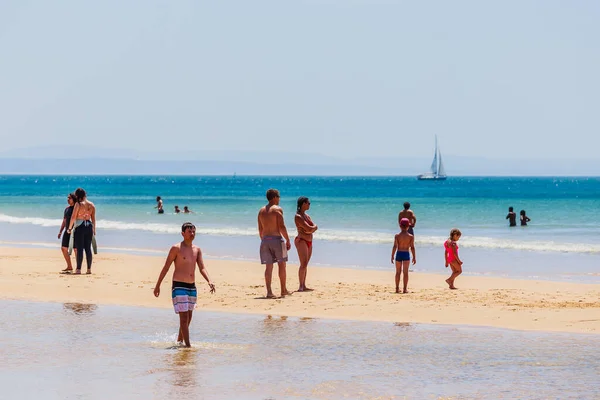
(84, 222)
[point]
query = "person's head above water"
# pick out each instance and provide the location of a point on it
(522, 212)
(157, 198)
(406, 205)
(510, 209)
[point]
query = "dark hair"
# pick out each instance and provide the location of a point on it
(522, 212)
(272, 193)
(187, 225)
(406, 205)
(72, 197)
(80, 194)
(510, 209)
(301, 200)
(157, 198)
(455, 231)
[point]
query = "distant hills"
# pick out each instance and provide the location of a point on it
(88, 161)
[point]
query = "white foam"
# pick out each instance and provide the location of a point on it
(332, 235)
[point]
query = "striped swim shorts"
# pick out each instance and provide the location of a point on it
(184, 296)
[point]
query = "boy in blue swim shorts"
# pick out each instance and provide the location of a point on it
(404, 245)
(185, 255)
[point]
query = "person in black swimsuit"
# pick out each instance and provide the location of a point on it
(524, 218)
(71, 199)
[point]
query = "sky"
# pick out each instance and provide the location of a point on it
(345, 79)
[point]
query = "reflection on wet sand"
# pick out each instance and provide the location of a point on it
(274, 324)
(80, 308)
(405, 326)
(182, 362)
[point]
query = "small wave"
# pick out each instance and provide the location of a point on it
(332, 235)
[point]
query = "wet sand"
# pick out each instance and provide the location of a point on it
(123, 279)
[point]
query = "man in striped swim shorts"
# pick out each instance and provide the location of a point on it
(185, 255)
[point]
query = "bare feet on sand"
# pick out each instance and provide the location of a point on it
(305, 289)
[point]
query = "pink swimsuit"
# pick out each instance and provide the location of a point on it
(448, 248)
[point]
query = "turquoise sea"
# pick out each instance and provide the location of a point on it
(357, 217)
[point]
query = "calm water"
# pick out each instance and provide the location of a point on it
(357, 217)
(75, 351)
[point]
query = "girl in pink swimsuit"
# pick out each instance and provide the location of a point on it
(451, 256)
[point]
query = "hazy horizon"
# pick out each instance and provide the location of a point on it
(331, 80)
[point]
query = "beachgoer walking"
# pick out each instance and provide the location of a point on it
(177, 210)
(511, 217)
(451, 256)
(303, 241)
(524, 218)
(84, 223)
(404, 244)
(272, 231)
(159, 205)
(186, 256)
(410, 215)
(71, 200)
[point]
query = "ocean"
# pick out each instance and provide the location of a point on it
(357, 218)
(88, 351)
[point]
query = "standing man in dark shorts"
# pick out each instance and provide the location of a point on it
(409, 215)
(273, 249)
(159, 205)
(71, 199)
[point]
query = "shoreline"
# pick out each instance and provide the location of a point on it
(340, 293)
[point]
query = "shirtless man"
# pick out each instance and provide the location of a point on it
(272, 231)
(410, 215)
(511, 217)
(159, 205)
(403, 242)
(185, 255)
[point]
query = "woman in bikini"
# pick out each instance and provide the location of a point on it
(451, 256)
(303, 241)
(84, 223)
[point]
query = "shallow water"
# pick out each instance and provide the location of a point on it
(75, 351)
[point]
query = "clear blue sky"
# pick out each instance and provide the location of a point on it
(340, 78)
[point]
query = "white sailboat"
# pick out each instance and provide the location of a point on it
(436, 171)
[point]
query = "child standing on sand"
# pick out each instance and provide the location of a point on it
(403, 242)
(185, 255)
(451, 256)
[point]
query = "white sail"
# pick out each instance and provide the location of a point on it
(436, 171)
(434, 164)
(441, 171)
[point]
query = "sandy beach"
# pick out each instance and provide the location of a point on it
(124, 279)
